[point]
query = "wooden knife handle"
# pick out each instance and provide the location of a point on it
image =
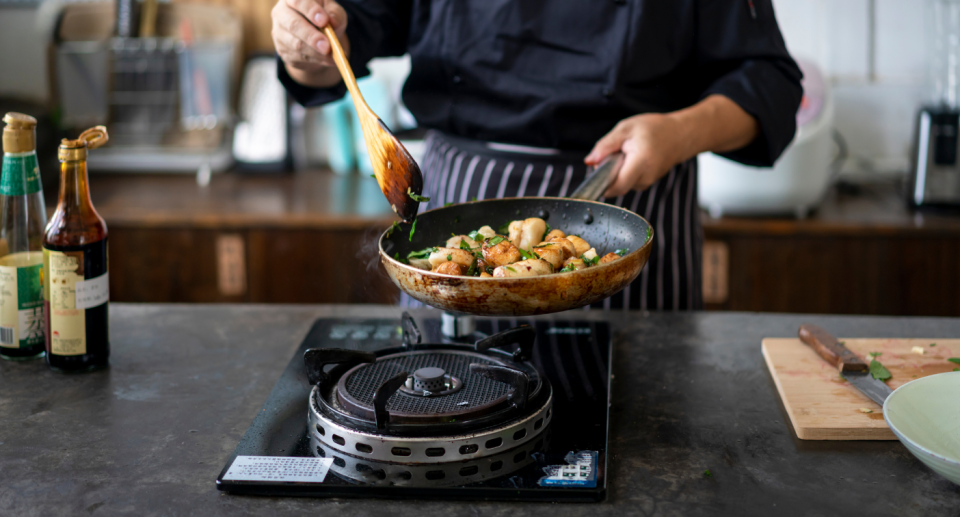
(831, 350)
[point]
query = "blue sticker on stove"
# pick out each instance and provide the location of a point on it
(580, 471)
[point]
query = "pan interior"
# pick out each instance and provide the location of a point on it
(605, 227)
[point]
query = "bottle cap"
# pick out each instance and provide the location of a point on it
(74, 150)
(19, 134)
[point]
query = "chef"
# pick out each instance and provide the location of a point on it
(521, 96)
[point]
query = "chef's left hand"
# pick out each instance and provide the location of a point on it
(654, 142)
(650, 145)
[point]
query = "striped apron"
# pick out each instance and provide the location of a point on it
(456, 170)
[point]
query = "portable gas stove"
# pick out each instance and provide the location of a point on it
(514, 409)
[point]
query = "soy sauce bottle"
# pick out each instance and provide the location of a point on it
(23, 216)
(76, 284)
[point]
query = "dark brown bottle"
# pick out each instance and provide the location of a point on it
(76, 283)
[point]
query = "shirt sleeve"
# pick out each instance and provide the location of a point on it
(740, 47)
(375, 28)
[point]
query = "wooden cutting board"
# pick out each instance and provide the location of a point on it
(823, 406)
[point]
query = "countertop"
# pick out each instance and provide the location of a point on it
(149, 435)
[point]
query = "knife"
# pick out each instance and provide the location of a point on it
(851, 367)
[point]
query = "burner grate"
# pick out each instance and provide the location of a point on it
(477, 390)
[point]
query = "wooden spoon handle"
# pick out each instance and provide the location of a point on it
(340, 58)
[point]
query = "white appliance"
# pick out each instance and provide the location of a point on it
(798, 180)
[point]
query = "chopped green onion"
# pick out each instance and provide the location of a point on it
(954, 360)
(527, 255)
(622, 251)
(649, 233)
(495, 240)
(374, 176)
(449, 257)
(505, 229)
(474, 198)
(422, 254)
(394, 226)
(413, 229)
(447, 204)
(416, 197)
(476, 236)
(590, 262)
(546, 232)
(568, 268)
(464, 245)
(511, 269)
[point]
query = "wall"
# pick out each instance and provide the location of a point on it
(875, 53)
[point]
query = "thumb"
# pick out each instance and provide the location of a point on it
(610, 143)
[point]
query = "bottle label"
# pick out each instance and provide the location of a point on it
(21, 306)
(21, 175)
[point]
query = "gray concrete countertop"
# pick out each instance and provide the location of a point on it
(149, 435)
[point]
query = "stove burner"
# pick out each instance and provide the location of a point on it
(432, 382)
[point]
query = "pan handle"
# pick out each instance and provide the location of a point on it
(600, 180)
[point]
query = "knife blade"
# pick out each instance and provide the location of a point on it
(851, 367)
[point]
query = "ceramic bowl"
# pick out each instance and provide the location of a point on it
(925, 416)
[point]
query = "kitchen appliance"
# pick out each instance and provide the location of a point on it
(935, 170)
(518, 410)
(823, 406)
(800, 177)
(925, 416)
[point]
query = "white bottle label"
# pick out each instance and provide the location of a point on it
(93, 292)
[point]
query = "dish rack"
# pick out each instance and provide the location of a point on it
(167, 100)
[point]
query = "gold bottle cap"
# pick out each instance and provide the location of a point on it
(19, 134)
(74, 150)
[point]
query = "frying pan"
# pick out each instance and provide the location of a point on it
(605, 227)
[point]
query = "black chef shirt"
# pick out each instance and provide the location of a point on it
(562, 73)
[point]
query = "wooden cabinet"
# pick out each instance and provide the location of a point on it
(859, 254)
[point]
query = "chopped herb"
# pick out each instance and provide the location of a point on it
(464, 245)
(954, 360)
(394, 226)
(422, 254)
(449, 257)
(546, 232)
(933, 344)
(707, 473)
(448, 204)
(453, 234)
(374, 176)
(476, 236)
(474, 198)
(545, 245)
(866, 410)
(396, 255)
(649, 233)
(527, 255)
(590, 262)
(413, 229)
(416, 197)
(511, 269)
(956, 369)
(495, 240)
(876, 354)
(568, 268)
(622, 251)
(878, 371)
(505, 229)
(472, 270)
(489, 270)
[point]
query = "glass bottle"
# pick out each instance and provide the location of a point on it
(76, 286)
(22, 218)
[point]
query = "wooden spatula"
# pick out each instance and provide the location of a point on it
(397, 173)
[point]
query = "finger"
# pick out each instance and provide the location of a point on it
(311, 10)
(631, 173)
(611, 142)
(338, 17)
(293, 22)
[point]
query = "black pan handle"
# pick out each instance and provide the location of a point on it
(316, 358)
(411, 332)
(597, 183)
(515, 378)
(382, 395)
(524, 336)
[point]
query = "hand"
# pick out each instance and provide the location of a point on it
(651, 144)
(300, 42)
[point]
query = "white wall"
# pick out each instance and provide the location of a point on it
(875, 54)
(23, 65)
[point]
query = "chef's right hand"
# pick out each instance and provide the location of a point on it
(300, 42)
